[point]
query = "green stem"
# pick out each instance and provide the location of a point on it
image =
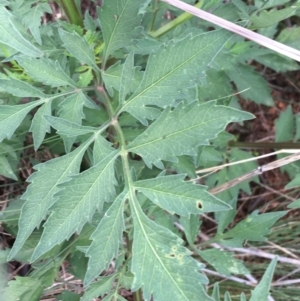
(138, 295)
(155, 10)
(206, 243)
(180, 19)
(265, 145)
(71, 11)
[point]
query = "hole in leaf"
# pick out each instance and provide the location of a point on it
(199, 205)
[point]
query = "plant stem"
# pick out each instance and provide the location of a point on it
(71, 12)
(180, 19)
(137, 296)
(244, 32)
(266, 145)
(155, 10)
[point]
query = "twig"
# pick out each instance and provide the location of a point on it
(289, 274)
(233, 278)
(248, 34)
(287, 282)
(217, 168)
(277, 192)
(254, 252)
(259, 253)
(284, 250)
(258, 171)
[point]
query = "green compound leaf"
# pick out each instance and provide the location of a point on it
(290, 36)
(39, 194)
(127, 78)
(11, 215)
(180, 131)
(39, 126)
(285, 125)
(5, 168)
(112, 77)
(294, 183)
(12, 116)
(11, 36)
(120, 21)
(85, 78)
(23, 288)
(46, 71)
(172, 70)
(20, 88)
(243, 297)
(191, 226)
(76, 203)
(295, 204)
(261, 292)
(255, 227)
(68, 296)
(269, 18)
(277, 62)
(99, 288)
(246, 78)
(224, 262)
(161, 266)
(33, 19)
(216, 292)
(67, 128)
(176, 196)
(102, 149)
(79, 48)
(227, 297)
(106, 239)
(71, 109)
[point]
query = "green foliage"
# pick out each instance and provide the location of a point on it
(268, 18)
(223, 262)
(27, 288)
(136, 116)
(31, 17)
(10, 35)
(118, 25)
(261, 292)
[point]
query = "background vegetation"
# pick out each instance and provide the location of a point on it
(128, 154)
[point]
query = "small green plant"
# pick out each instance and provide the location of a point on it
(138, 113)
